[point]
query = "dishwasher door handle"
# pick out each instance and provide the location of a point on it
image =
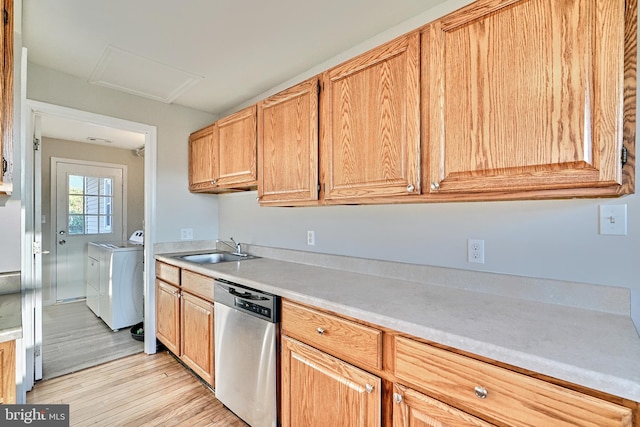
(245, 295)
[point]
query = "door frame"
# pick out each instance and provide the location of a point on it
(32, 289)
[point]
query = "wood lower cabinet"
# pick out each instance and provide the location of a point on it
(168, 315)
(321, 390)
(6, 98)
(414, 409)
(499, 395)
(525, 95)
(185, 317)
(196, 330)
(8, 372)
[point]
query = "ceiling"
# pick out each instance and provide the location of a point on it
(210, 55)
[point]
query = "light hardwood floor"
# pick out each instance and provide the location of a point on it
(74, 338)
(138, 390)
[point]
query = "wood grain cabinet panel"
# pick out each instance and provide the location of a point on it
(197, 284)
(237, 144)
(499, 395)
(414, 409)
(371, 123)
(6, 96)
(168, 315)
(343, 338)
(530, 95)
(8, 372)
(197, 336)
(223, 156)
(203, 159)
(321, 390)
(288, 146)
(168, 273)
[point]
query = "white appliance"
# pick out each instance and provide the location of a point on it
(115, 276)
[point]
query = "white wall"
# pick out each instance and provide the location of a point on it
(176, 207)
(549, 239)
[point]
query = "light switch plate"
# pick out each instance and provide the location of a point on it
(613, 219)
(186, 233)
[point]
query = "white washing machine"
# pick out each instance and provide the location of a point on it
(115, 278)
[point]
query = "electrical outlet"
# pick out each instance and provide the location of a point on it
(311, 237)
(186, 233)
(475, 251)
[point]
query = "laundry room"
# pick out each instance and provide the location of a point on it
(92, 194)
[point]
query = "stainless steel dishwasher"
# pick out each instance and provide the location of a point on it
(246, 359)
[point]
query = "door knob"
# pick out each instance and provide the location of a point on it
(62, 242)
(61, 232)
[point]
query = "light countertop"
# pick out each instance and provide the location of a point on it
(10, 316)
(595, 349)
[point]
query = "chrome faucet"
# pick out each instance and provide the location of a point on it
(237, 248)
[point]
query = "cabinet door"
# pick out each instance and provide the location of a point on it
(197, 336)
(288, 146)
(168, 315)
(525, 95)
(203, 159)
(6, 96)
(238, 146)
(8, 372)
(320, 390)
(371, 123)
(414, 409)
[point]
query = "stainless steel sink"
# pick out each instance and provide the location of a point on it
(214, 257)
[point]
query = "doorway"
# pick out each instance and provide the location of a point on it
(34, 220)
(88, 204)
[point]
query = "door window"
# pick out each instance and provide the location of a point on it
(90, 209)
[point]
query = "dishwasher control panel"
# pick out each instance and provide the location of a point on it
(247, 300)
(249, 306)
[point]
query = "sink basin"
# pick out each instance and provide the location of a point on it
(214, 257)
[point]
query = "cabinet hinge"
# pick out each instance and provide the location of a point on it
(5, 165)
(5, 15)
(36, 144)
(36, 351)
(623, 159)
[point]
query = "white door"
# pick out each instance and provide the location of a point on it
(89, 207)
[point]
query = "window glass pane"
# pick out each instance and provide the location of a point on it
(105, 224)
(105, 205)
(91, 205)
(76, 184)
(76, 224)
(75, 204)
(91, 224)
(92, 185)
(106, 185)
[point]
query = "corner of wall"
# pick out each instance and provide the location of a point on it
(635, 308)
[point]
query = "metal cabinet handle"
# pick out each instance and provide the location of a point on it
(410, 188)
(480, 392)
(397, 397)
(320, 331)
(369, 388)
(435, 186)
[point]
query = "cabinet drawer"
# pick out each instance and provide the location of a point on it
(168, 273)
(343, 338)
(511, 398)
(197, 284)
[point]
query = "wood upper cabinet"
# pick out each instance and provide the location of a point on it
(288, 146)
(203, 159)
(237, 149)
(6, 98)
(524, 95)
(321, 390)
(223, 156)
(371, 123)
